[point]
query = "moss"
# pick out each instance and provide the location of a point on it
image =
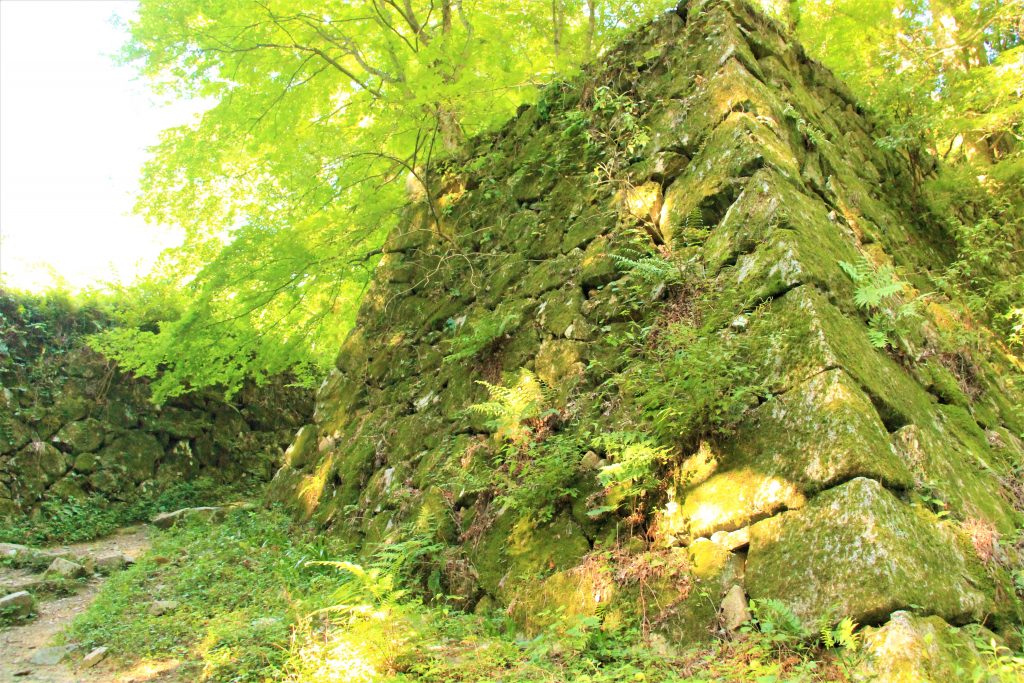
(512, 552)
(560, 311)
(945, 467)
(857, 551)
(302, 450)
(597, 268)
(819, 434)
(570, 594)
(684, 607)
(547, 275)
(592, 222)
(137, 453)
(558, 363)
(82, 436)
(806, 335)
(915, 649)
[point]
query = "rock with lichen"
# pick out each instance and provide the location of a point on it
(845, 480)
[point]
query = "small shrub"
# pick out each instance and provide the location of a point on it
(76, 520)
(610, 126)
(532, 482)
(692, 386)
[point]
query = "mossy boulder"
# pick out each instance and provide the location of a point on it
(14, 434)
(134, 453)
(512, 551)
(954, 471)
(83, 436)
(923, 649)
(858, 551)
(50, 461)
(574, 593)
(178, 423)
(302, 450)
(822, 432)
(85, 463)
(685, 606)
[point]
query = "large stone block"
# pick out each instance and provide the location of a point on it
(821, 433)
(135, 453)
(919, 649)
(858, 551)
(83, 436)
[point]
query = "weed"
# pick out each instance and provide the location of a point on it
(691, 386)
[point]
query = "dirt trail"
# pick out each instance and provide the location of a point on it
(19, 643)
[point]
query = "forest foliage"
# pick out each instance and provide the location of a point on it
(321, 113)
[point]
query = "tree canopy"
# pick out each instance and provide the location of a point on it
(949, 73)
(320, 112)
(288, 184)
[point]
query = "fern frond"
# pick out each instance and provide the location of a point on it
(875, 285)
(845, 634)
(511, 406)
(874, 293)
(825, 633)
(854, 271)
(877, 335)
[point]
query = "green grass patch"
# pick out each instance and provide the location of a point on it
(240, 587)
(78, 520)
(263, 599)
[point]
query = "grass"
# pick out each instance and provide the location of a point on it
(263, 599)
(240, 587)
(75, 521)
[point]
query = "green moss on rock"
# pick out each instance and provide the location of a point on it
(916, 649)
(858, 551)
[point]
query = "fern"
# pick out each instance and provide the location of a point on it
(845, 635)
(634, 460)
(842, 635)
(481, 336)
(694, 230)
(810, 132)
(877, 292)
(874, 286)
(777, 624)
(826, 634)
(362, 589)
(511, 407)
(649, 267)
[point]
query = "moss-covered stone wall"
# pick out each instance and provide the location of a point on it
(73, 426)
(863, 482)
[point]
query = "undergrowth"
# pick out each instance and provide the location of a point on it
(262, 599)
(78, 520)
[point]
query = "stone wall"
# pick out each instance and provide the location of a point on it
(870, 481)
(72, 425)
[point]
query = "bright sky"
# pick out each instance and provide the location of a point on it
(73, 135)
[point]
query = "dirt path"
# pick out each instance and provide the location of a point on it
(18, 644)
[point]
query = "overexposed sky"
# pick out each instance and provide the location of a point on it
(73, 135)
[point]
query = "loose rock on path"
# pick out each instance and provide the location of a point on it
(28, 653)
